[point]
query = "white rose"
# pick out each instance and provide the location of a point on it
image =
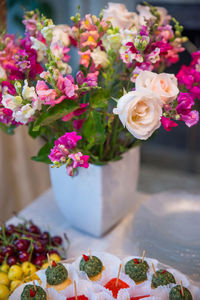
(100, 58)
(119, 16)
(145, 14)
(61, 34)
(164, 85)
(40, 47)
(140, 112)
(23, 115)
(112, 41)
(28, 93)
(11, 102)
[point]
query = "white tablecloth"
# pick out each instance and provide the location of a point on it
(121, 240)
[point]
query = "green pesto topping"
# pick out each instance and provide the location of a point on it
(56, 275)
(40, 294)
(91, 267)
(176, 294)
(162, 277)
(136, 269)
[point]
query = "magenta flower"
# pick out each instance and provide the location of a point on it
(79, 160)
(69, 140)
(78, 124)
(167, 123)
(184, 109)
(76, 112)
(59, 153)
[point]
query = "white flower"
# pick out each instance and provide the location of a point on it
(28, 93)
(2, 73)
(11, 102)
(145, 14)
(119, 16)
(164, 85)
(61, 35)
(140, 112)
(40, 47)
(47, 32)
(154, 56)
(112, 41)
(23, 115)
(63, 67)
(100, 58)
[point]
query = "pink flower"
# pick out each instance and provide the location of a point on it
(85, 58)
(69, 140)
(167, 123)
(79, 160)
(67, 86)
(47, 96)
(184, 109)
(92, 78)
(76, 112)
(89, 39)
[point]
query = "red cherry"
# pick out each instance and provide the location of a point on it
(1, 258)
(34, 229)
(23, 256)
(22, 245)
(10, 229)
(32, 293)
(39, 246)
(56, 240)
(45, 236)
(11, 260)
(8, 250)
(39, 260)
(53, 252)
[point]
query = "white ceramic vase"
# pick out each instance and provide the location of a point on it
(100, 196)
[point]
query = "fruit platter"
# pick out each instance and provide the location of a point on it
(101, 275)
(23, 251)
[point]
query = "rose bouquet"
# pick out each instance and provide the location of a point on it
(117, 97)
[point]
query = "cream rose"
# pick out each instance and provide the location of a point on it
(119, 16)
(100, 58)
(140, 112)
(163, 85)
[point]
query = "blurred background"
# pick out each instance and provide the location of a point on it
(170, 160)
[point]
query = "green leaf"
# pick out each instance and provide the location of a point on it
(93, 129)
(55, 113)
(42, 155)
(100, 99)
(7, 129)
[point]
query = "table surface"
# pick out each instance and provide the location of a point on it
(120, 240)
